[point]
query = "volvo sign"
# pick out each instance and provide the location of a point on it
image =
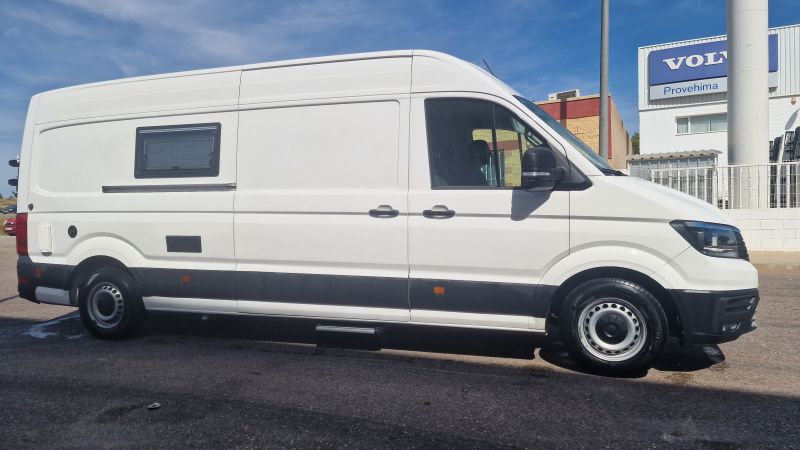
(697, 69)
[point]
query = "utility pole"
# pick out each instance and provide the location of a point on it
(748, 101)
(748, 84)
(604, 80)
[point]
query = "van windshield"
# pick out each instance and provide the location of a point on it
(579, 145)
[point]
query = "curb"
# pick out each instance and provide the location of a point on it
(777, 266)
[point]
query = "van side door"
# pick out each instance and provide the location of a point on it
(321, 210)
(478, 244)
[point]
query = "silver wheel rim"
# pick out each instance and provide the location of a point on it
(612, 329)
(105, 305)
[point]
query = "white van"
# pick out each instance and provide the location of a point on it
(404, 187)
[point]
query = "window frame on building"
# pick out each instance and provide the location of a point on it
(691, 124)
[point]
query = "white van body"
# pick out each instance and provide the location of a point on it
(320, 203)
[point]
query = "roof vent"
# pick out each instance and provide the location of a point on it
(563, 95)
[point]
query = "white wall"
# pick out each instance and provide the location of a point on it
(659, 132)
(768, 229)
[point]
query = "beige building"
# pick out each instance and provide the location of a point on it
(581, 116)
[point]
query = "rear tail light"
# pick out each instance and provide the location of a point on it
(22, 234)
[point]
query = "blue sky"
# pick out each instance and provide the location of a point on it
(536, 46)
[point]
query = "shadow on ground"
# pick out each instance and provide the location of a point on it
(676, 358)
(170, 326)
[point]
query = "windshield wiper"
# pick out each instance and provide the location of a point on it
(614, 172)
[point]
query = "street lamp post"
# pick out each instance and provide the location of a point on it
(604, 80)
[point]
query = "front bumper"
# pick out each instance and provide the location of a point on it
(713, 317)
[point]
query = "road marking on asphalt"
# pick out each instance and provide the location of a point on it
(39, 330)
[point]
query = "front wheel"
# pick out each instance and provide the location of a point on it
(613, 326)
(110, 304)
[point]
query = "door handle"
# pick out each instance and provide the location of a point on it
(384, 212)
(439, 212)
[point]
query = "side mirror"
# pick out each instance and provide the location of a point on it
(13, 182)
(539, 170)
(13, 162)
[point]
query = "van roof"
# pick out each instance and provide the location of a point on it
(262, 65)
(230, 87)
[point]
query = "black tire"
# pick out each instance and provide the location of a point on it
(110, 304)
(613, 326)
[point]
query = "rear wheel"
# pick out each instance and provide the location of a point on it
(613, 326)
(110, 304)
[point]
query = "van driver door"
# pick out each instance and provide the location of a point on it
(478, 244)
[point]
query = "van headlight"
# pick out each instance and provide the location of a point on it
(712, 239)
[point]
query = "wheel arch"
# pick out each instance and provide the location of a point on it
(85, 268)
(661, 294)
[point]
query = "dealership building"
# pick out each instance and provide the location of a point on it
(683, 124)
(683, 98)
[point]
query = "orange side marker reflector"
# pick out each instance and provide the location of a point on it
(438, 290)
(38, 272)
(186, 278)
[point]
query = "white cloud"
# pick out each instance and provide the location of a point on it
(50, 22)
(204, 29)
(190, 22)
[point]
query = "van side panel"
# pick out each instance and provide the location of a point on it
(308, 178)
(70, 169)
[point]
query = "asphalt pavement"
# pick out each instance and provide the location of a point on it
(227, 382)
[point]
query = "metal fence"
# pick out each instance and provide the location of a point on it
(641, 165)
(773, 185)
